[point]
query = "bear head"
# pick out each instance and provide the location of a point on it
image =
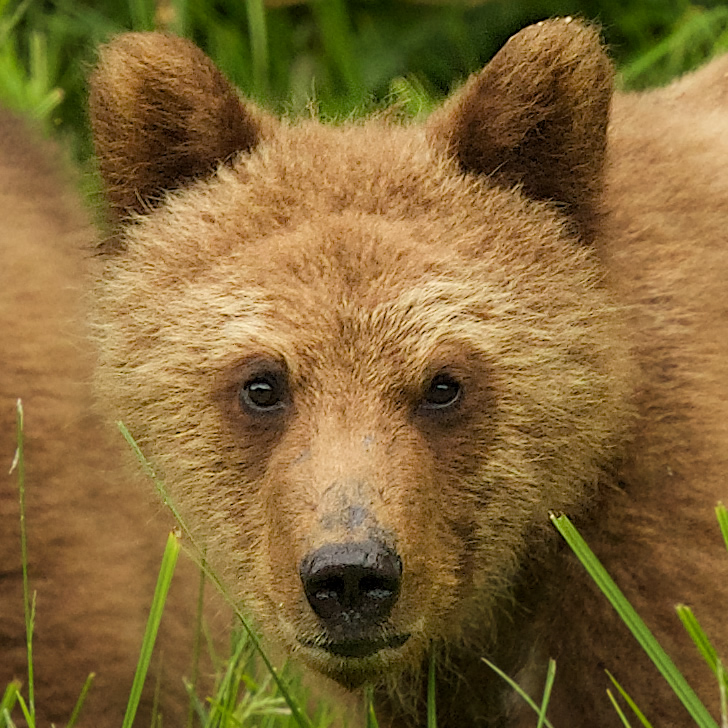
(366, 359)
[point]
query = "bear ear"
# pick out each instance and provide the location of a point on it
(536, 116)
(162, 114)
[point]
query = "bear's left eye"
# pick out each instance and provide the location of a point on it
(442, 392)
(264, 393)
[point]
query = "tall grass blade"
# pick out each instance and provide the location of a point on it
(431, 706)
(336, 35)
(298, 714)
(518, 689)
(628, 699)
(372, 721)
(169, 560)
(28, 604)
(699, 28)
(81, 700)
(723, 689)
(258, 46)
(142, 14)
(10, 697)
(698, 636)
(549, 684)
(634, 622)
(8, 24)
(618, 709)
(722, 514)
(226, 694)
(29, 719)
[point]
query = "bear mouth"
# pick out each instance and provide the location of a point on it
(358, 648)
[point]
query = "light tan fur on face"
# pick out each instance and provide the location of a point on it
(360, 261)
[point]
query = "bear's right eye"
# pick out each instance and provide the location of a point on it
(264, 393)
(443, 392)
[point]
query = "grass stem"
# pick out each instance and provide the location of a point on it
(28, 603)
(169, 561)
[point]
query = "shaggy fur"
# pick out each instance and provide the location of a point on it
(565, 270)
(93, 547)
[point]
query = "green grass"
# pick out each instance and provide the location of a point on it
(293, 704)
(335, 56)
(164, 581)
(698, 712)
(251, 691)
(340, 58)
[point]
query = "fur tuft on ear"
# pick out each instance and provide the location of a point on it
(536, 116)
(162, 114)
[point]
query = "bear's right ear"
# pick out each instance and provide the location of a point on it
(162, 115)
(536, 116)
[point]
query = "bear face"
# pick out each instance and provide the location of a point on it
(367, 360)
(340, 338)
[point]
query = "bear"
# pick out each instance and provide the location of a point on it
(369, 359)
(94, 543)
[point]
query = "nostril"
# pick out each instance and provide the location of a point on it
(349, 583)
(379, 587)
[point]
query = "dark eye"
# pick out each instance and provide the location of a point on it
(442, 392)
(264, 393)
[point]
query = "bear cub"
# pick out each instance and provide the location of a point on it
(369, 359)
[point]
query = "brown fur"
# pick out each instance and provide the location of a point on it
(93, 547)
(566, 269)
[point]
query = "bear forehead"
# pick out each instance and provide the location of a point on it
(309, 174)
(360, 237)
(366, 208)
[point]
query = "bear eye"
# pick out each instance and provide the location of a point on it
(442, 392)
(264, 392)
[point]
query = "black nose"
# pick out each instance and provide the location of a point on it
(352, 586)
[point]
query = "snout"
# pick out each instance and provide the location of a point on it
(352, 588)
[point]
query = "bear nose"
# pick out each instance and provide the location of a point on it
(352, 586)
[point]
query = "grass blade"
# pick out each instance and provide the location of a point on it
(550, 677)
(298, 714)
(26, 712)
(336, 34)
(722, 514)
(10, 697)
(518, 689)
(431, 706)
(169, 560)
(28, 604)
(628, 699)
(371, 716)
(698, 636)
(258, 46)
(635, 623)
(619, 710)
(81, 699)
(723, 689)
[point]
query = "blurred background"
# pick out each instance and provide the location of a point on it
(334, 57)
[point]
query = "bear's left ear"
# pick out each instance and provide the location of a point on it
(162, 115)
(536, 116)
